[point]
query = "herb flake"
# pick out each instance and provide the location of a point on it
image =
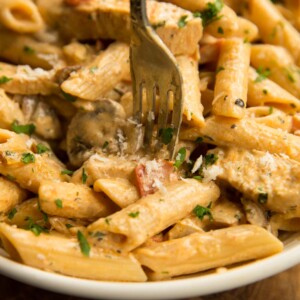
(83, 243)
(28, 158)
(201, 212)
(180, 158)
(28, 129)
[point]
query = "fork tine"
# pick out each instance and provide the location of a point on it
(163, 109)
(176, 119)
(150, 117)
(137, 92)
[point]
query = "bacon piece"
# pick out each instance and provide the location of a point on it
(152, 175)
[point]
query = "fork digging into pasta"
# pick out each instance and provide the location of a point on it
(77, 198)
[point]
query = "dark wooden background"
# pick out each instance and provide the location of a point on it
(284, 286)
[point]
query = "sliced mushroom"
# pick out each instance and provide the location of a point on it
(102, 129)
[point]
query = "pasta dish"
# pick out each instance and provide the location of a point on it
(81, 196)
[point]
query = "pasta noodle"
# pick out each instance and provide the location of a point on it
(81, 195)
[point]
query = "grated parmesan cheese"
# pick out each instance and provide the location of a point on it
(197, 164)
(211, 173)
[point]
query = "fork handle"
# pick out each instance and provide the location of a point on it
(138, 13)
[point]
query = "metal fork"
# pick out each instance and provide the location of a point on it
(154, 69)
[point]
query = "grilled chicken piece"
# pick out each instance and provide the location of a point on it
(109, 19)
(271, 180)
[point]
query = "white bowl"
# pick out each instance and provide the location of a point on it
(197, 285)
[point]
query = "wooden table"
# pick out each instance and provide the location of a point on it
(284, 286)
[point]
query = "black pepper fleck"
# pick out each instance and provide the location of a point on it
(239, 102)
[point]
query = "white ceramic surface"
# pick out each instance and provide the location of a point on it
(175, 289)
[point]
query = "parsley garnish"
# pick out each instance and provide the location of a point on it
(201, 212)
(210, 14)
(220, 30)
(105, 145)
(93, 69)
(83, 243)
(182, 21)
(10, 177)
(134, 214)
(12, 213)
(28, 50)
(35, 228)
(4, 79)
(199, 140)
(68, 97)
(84, 176)
(210, 159)
(66, 172)
(180, 157)
(68, 225)
(271, 110)
(27, 158)
(59, 203)
(41, 148)
(166, 135)
(262, 198)
(26, 129)
(159, 24)
(262, 74)
(219, 69)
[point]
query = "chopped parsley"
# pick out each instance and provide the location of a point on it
(93, 69)
(210, 159)
(59, 203)
(84, 176)
(134, 214)
(105, 145)
(68, 97)
(26, 129)
(262, 198)
(41, 148)
(66, 172)
(28, 50)
(83, 243)
(35, 228)
(199, 140)
(271, 110)
(201, 212)
(4, 79)
(68, 225)
(210, 13)
(159, 24)
(290, 77)
(12, 213)
(27, 158)
(262, 74)
(107, 221)
(10, 177)
(180, 157)
(219, 69)
(166, 135)
(220, 30)
(182, 21)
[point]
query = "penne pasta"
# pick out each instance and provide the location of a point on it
(21, 16)
(190, 254)
(150, 215)
(68, 200)
(63, 255)
(277, 31)
(109, 68)
(230, 94)
(245, 134)
(278, 62)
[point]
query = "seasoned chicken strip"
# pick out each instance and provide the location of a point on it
(269, 179)
(110, 20)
